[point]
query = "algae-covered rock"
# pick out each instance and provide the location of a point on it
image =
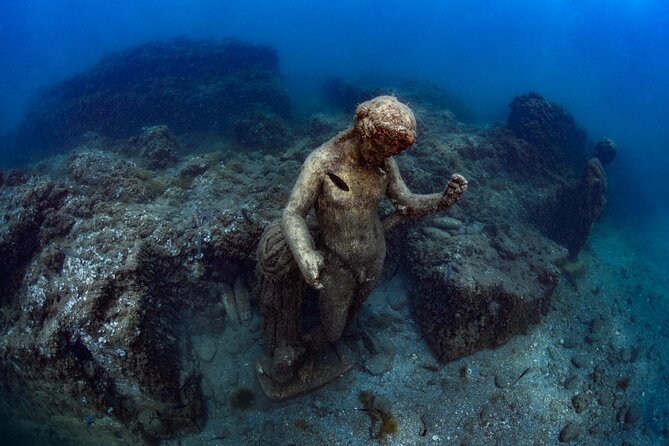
(475, 291)
(100, 333)
(104, 275)
(156, 145)
(482, 272)
(187, 85)
(555, 135)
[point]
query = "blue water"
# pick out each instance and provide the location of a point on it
(606, 62)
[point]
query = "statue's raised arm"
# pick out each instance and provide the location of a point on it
(410, 205)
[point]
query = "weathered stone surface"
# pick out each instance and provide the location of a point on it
(263, 131)
(104, 271)
(31, 216)
(156, 145)
(555, 136)
(104, 328)
(475, 291)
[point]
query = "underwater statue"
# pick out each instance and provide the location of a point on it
(341, 254)
(584, 206)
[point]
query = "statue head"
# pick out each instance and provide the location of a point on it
(386, 126)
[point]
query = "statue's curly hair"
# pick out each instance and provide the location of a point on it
(386, 120)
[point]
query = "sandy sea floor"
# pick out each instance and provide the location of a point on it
(592, 372)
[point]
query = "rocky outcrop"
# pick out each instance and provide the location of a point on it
(156, 146)
(105, 272)
(31, 217)
(484, 272)
(555, 136)
(188, 85)
(476, 286)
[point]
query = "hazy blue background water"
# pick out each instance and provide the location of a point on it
(606, 62)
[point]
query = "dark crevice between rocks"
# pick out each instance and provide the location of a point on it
(32, 225)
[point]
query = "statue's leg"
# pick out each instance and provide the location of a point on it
(339, 288)
(367, 285)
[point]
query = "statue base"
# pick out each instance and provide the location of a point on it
(318, 369)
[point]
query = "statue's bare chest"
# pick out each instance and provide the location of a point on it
(353, 186)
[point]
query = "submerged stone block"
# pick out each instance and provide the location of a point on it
(156, 145)
(474, 291)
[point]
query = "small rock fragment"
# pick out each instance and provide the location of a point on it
(579, 361)
(435, 233)
(580, 402)
(596, 333)
(571, 382)
(570, 432)
(447, 223)
(605, 399)
(624, 382)
(632, 416)
(502, 380)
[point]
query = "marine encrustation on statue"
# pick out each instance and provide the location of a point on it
(585, 204)
(343, 181)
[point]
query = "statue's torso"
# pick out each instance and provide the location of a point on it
(348, 219)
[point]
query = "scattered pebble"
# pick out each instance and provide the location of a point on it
(579, 361)
(570, 432)
(571, 382)
(596, 333)
(580, 402)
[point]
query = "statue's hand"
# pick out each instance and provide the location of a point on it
(312, 263)
(455, 187)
